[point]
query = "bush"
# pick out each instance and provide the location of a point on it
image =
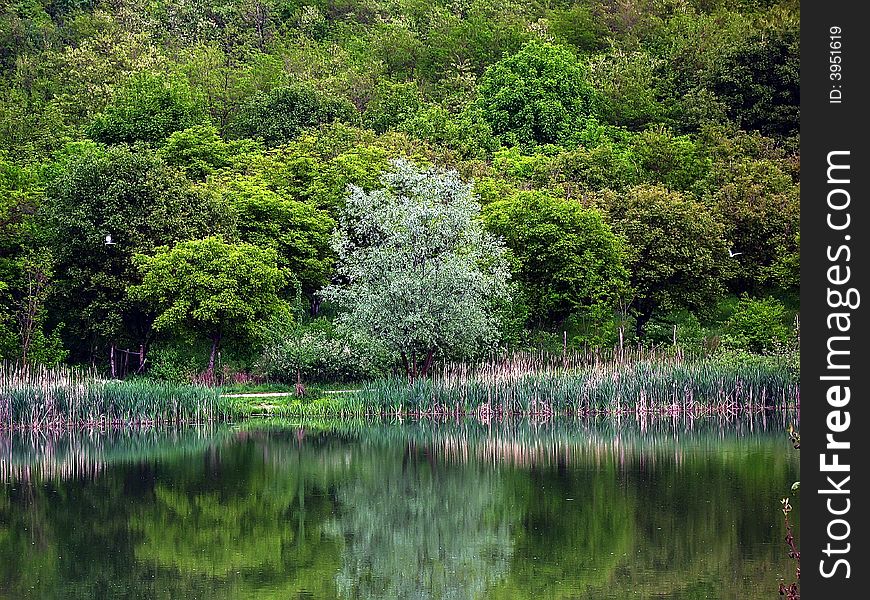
(691, 334)
(182, 359)
(318, 352)
(176, 361)
(758, 325)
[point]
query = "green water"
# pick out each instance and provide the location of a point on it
(576, 509)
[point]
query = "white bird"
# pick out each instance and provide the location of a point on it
(732, 254)
(109, 241)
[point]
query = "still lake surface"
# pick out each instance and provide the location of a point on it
(598, 509)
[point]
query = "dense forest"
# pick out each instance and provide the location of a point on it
(344, 187)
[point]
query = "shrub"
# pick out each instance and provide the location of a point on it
(758, 325)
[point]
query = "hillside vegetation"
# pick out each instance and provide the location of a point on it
(339, 189)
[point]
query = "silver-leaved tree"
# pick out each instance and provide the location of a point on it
(417, 272)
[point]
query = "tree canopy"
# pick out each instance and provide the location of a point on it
(677, 251)
(536, 95)
(210, 287)
(566, 256)
(617, 151)
(419, 273)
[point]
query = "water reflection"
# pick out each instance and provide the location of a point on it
(673, 508)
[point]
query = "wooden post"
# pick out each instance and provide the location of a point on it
(564, 349)
(112, 360)
(141, 356)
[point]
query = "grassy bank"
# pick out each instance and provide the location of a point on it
(531, 386)
(522, 385)
(40, 398)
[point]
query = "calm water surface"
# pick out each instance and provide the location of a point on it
(574, 509)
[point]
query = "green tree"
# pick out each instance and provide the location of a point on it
(19, 193)
(760, 81)
(758, 325)
(421, 274)
(674, 161)
(391, 104)
(199, 151)
(537, 95)
(297, 231)
(579, 26)
(676, 250)
(26, 275)
(567, 257)
(132, 196)
(210, 287)
(226, 80)
(625, 88)
(279, 116)
(753, 185)
(148, 109)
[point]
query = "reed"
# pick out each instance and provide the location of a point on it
(46, 398)
(528, 385)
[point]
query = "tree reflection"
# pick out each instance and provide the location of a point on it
(591, 510)
(417, 529)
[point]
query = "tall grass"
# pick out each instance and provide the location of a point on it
(667, 384)
(39, 398)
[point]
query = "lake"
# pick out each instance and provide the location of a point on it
(612, 508)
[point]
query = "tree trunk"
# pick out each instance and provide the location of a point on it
(300, 389)
(315, 307)
(215, 343)
(427, 363)
(640, 324)
(407, 365)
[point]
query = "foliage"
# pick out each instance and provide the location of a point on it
(753, 189)
(199, 151)
(676, 250)
(537, 95)
(314, 350)
(625, 88)
(391, 105)
(760, 81)
(182, 119)
(422, 276)
(579, 26)
(758, 325)
(132, 196)
(147, 109)
(38, 344)
(566, 256)
(296, 231)
(667, 159)
(279, 116)
(210, 287)
(177, 359)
